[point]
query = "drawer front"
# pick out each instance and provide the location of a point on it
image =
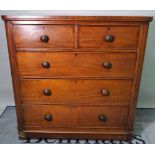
(44, 36)
(75, 116)
(59, 64)
(119, 37)
(76, 91)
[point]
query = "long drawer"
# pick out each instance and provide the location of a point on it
(64, 64)
(48, 116)
(61, 91)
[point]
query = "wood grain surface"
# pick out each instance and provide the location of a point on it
(76, 91)
(29, 36)
(76, 64)
(93, 37)
(74, 116)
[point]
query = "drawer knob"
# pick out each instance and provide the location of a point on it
(44, 38)
(102, 118)
(47, 92)
(105, 92)
(107, 65)
(109, 38)
(48, 117)
(46, 64)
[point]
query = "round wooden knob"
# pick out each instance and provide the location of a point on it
(48, 117)
(46, 64)
(107, 65)
(109, 38)
(105, 92)
(47, 92)
(44, 38)
(102, 118)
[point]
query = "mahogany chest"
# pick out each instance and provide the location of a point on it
(76, 76)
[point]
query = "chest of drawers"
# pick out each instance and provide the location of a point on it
(76, 76)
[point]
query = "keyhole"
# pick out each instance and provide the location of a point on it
(75, 54)
(108, 28)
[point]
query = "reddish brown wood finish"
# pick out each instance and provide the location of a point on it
(60, 36)
(14, 73)
(94, 37)
(79, 18)
(76, 91)
(76, 64)
(89, 78)
(74, 116)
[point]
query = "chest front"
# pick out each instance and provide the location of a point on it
(76, 77)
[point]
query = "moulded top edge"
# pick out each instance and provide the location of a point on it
(78, 18)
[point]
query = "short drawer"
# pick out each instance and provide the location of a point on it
(44, 36)
(65, 64)
(60, 91)
(75, 116)
(109, 37)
